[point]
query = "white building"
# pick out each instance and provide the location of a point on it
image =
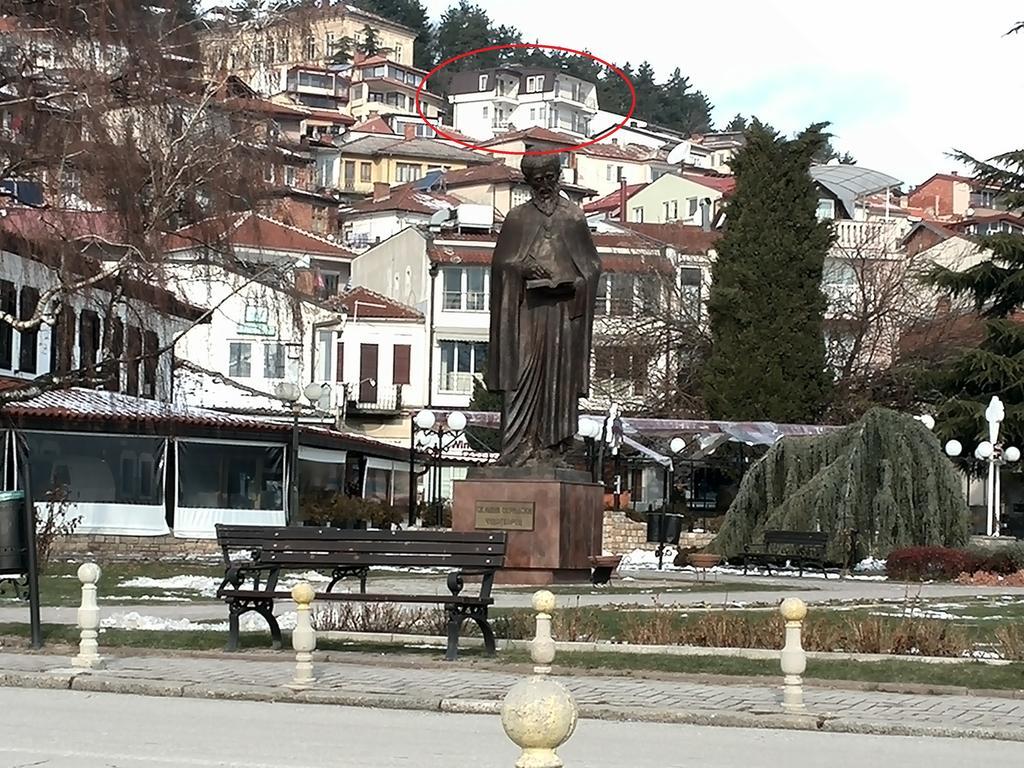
(488, 102)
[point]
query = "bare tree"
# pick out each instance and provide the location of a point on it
(113, 137)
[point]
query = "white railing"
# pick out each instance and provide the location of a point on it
(458, 383)
(869, 236)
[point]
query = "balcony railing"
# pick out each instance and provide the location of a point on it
(458, 383)
(875, 237)
(376, 399)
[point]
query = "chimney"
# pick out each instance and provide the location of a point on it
(410, 131)
(705, 214)
(623, 210)
(381, 191)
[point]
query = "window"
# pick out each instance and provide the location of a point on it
(533, 114)
(826, 209)
(671, 210)
(282, 49)
(620, 173)
(621, 294)
(28, 357)
(601, 304)
(461, 363)
(324, 356)
(151, 350)
(330, 43)
(534, 83)
(485, 111)
(365, 172)
(88, 338)
(269, 50)
(226, 476)
(112, 366)
(398, 51)
(375, 96)
(650, 293)
(62, 341)
(692, 206)
(402, 360)
(466, 288)
(407, 171)
(520, 195)
(240, 359)
(273, 361)
(638, 214)
(268, 173)
(257, 54)
(482, 83)
(690, 280)
(289, 176)
(310, 49)
(8, 302)
(132, 359)
(608, 172)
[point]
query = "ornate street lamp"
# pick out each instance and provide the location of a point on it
(995, 455)
(432, 437)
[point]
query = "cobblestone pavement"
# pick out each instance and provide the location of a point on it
(234, 676)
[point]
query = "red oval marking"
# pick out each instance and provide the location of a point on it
(507, 46)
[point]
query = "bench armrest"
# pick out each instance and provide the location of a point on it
(456, 582)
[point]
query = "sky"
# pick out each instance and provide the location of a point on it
(903, 82)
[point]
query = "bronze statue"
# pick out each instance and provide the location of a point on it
(544, 281)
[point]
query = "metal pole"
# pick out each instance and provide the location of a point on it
(293, 496)
(30, 529)
(998, 503)
(990, 495)
(412, 471)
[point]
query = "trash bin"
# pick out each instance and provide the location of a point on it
(663, 527)
(13, 536)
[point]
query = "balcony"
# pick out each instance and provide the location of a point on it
(375, 398)
(869, 237)
(458, 383)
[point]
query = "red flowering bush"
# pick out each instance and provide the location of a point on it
(931, 563)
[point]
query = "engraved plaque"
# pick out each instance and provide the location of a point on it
(504, 515)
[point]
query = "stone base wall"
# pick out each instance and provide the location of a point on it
(695, 540)
(622, 535)
(107, 547)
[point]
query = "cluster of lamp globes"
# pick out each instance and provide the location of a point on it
(425, 420)
(984, 452)
(590, 429)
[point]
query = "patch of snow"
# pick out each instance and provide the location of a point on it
(870, 565)
(647, 560)
(132, 620)
(206, 586)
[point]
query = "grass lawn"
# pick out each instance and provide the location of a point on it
(645, 587)
(973, 675)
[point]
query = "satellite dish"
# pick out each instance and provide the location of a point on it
(970, 211)
(440, 217)
(679, 154)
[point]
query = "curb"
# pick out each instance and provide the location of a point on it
(104, 683)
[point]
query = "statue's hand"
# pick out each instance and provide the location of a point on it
(535, 271)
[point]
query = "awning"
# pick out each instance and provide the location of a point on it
(321, 455)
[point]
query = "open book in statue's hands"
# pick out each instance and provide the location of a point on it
(549, 283)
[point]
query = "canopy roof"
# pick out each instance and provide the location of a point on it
(851, 182)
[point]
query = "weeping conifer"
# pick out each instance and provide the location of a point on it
(885, 477)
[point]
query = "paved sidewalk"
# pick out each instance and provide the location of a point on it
(460, 687)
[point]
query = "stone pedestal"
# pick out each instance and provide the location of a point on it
(552, 517)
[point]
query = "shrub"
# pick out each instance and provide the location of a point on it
(930, 563)
(1003, 560)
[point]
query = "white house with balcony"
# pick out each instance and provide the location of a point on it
(488, 102)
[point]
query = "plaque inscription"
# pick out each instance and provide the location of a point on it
(504, 515)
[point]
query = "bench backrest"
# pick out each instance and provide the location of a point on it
(815, 539)
(305, 546)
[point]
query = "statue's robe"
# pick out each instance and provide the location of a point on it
(539, 355)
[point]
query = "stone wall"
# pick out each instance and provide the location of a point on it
(106, 548)
(622, 535)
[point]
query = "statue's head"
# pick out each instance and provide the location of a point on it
(544, 174)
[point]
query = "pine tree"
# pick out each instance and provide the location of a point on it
(412, 14)
(647, 92)
(738, 123)
(885, 477)
(370, 45)
(681, 108)
(613, 93)
(766, 306)
(466, 27)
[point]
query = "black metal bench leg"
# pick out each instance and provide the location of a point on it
(455, 622)
(233, 615)
(490, 646)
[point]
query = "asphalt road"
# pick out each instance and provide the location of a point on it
(64, 729)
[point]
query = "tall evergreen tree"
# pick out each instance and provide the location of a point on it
(412, 14)
(738, 123)
(682, 108)
(647, 95)
(370, 44)
(613, 93)
(466, 27)
(766, 306)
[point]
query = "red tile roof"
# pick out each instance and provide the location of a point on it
(965, 222)
(372, 305)
(51, 223)
(536, 133)
(974, 183)
(254, 230)
(685, 238)
(723, 184)
(612, 201)
(407, 198)
(375, 124)
(332, 115)
(629, 152)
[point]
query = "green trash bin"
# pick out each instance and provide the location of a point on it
(13, 536)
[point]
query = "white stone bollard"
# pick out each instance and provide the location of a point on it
(89, 619)
(303, 636)
(793, 657)
(538, 714)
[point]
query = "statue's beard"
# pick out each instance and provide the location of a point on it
(546, 202)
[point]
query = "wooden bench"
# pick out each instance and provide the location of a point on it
(801, 548)
(254, 557)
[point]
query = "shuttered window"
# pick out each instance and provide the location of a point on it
(403, 355)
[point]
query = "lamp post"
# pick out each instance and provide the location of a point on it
(590, 431)
(434, 436)
(676, 446)
(290, 393)
(993, 453)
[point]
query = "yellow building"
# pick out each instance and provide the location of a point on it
(357, 165)
(263, 54)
